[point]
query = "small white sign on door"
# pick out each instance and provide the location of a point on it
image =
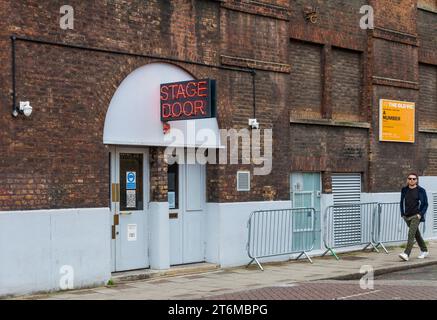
(131, 199)
(131, 232)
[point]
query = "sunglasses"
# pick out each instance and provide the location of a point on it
(412, 178)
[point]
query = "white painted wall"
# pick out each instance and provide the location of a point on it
(227, 231)
(34, 245)
(159, 235)
(381, 197)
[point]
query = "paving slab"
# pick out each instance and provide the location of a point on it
(211, 282)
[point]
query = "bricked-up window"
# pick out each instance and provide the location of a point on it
(346, 84)
(306, 80)
(427, 29)
(427, 96)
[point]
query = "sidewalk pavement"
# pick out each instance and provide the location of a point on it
(225, 281)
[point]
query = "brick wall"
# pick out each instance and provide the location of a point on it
(306, 86)
(329, 70)
(391, 55)
(328, 149)
(158, 175)
(337, 22)
(347, 83)
(429, 154)
(427, 106)
(55, 158)
(397, 15)
(427, 30)
(262, 31)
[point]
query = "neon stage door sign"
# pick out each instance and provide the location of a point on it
(186, 100)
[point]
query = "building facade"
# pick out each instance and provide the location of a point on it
(306, 69)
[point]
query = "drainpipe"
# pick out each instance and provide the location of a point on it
(14, 38)
(14, 96)
(254, 93)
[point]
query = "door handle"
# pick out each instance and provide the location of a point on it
(126, 213)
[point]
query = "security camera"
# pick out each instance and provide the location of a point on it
(26, 108)
(253, 123)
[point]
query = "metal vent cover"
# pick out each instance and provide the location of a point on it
(434, 212)
(243, 181)
(346, 190)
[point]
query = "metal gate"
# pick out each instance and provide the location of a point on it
(349, 225)
(281, 232)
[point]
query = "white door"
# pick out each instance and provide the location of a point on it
(129, 178)
(306, 189)
(187, 213)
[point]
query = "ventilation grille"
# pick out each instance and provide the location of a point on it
(434, 212)
(346, 190)
(243, 181)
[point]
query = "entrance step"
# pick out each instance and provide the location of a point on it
(142, 274)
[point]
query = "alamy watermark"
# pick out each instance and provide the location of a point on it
(67, 20)
(368, 18)
(255, 147)
(66, 282)
(367, 280)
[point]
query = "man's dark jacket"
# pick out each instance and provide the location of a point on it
(423, 201)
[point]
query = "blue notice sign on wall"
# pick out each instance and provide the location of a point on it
(131, 180)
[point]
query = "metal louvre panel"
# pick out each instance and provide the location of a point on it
(346, 189)
(243, 181)
(434, 211)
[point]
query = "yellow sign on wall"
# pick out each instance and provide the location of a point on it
(396, 121)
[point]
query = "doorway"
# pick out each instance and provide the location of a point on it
(129, 199)
(186, 197)
(306, 193)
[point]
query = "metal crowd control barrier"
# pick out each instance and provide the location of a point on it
(281, 232)
(349, 225)
(389, 226)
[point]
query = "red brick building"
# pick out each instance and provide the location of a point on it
(318, 80)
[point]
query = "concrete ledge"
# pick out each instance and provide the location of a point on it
(329, 122)
(172, 272)
(427, 7)
(380, 271)
(255, 64)
(427, 130)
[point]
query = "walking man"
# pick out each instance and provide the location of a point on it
(414, 203)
